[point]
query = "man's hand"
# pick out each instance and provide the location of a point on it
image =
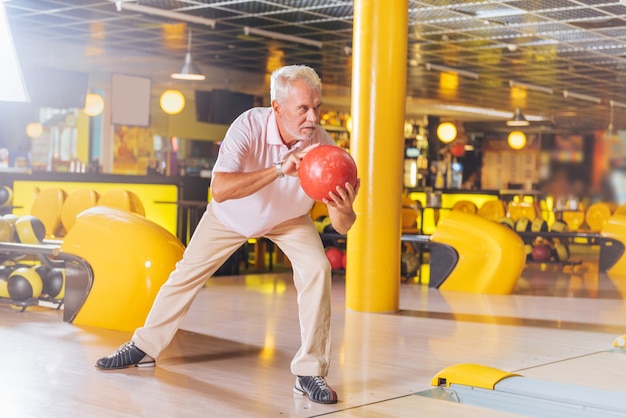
(292, 160)
(340, 208)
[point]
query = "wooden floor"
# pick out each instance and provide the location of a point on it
(231, 356)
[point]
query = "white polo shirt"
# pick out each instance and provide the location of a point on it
(252, 143)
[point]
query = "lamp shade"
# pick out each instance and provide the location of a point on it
(172, 102)
(517, 140)
(518, 119)
(189, 70)
(446, 132)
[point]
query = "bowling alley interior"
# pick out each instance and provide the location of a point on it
(485, 275)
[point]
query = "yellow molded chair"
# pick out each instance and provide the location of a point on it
(492, 210)
(131, 258)
(490, 257)
(615, 229)
(465, 206)
(76, 202)
(597, 215)
(47, 207)
(519, 210)
(573, 218)
(318, 210)
(122, 199)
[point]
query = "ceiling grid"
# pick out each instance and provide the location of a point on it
(562, 45)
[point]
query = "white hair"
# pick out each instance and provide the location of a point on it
(283, 78)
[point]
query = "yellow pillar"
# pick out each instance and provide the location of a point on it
(82, 137)
(377, 144)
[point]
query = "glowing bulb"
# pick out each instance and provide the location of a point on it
(172, 102)
(94, 104)
(446, 132)
(517, 140)
(34, 129)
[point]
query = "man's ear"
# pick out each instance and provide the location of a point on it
(275, 106)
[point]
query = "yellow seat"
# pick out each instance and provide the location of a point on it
(318, 210)
(519, 210)
(490, 256)
(465, 206)
(492, 210)
(76, 202)
(122, 199)
(615, 229)
(128, 273)
(573, 218)
(47, 207)
(597, 215)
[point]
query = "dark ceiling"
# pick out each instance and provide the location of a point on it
(561, 46)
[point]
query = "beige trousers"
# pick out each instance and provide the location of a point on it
(211, 245)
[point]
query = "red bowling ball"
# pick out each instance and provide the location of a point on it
(324, 168)
(541, 253)
(334, 255)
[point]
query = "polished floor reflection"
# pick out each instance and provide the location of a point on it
(231, 356)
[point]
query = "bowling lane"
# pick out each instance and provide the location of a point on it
(583, 386)
(413, 406)
(604, 370)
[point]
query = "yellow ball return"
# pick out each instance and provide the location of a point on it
(115, 263)
(469, 253)
(488, 387)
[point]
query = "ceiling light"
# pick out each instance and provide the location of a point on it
(155, 11)
(613, 103)
(189, 70)
(518, 119)
(172, 102)
(445, 69)
(94, 104)
(493, 13)
(517, 140)
(446, 132)
(444, 109)
(282, 36)
(567, 94)
(611, 128)
(34, 130)
(548, 90)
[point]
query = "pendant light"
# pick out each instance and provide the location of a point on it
(94, 104)
(611, 127)
(189, 71)
(517, 140)
(172, 101)
(446, 132)
(518, 119)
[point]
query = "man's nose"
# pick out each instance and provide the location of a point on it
(312, 116)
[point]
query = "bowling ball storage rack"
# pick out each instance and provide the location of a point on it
(78, 277)
(22, 305)
(610, 249)
(15, 253)
(419, 243)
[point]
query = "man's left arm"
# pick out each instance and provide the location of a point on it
(340, 207)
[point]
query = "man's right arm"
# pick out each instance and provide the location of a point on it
(225, 186)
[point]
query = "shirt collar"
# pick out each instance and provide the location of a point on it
(273, 134)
